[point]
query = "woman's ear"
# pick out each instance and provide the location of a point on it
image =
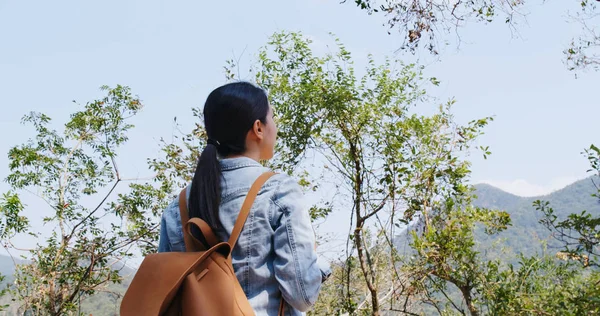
(258, 130)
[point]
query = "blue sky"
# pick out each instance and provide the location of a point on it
(172, 53)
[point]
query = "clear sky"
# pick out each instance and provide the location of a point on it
(172, 53)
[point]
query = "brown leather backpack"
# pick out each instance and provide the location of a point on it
(200, 281)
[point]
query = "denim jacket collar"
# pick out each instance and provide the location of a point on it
(238, 162)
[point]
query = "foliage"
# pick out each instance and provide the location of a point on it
(11, 223)
(397, 168)
(424, 22)
(68, 170)
(346, 292)
(421, 21)
(541, 286)
(584, 51)
(446, 255)
(3, 293)
(527, 235)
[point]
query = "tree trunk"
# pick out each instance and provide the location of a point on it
(367, 271)
(466, 292)
(348, 278)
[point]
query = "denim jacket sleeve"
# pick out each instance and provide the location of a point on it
(171, 233)
(163, 239)
(297, 268)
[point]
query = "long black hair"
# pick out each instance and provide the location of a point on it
(229, 113)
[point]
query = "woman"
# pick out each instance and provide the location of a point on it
(275, 254)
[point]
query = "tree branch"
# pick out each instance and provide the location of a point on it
(77, 288)
(94, 211)
(377, 209)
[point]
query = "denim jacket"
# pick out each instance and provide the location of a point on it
(275, 253)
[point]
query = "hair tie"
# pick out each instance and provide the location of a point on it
(213, 142)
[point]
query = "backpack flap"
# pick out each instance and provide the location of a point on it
(158, 279)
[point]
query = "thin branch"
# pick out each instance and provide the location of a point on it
(42, 198)
(405, 312)
(10, 255)
(447, 297)
(64, 175)
(376, 210)
(392, 247)
(132, 240)
(94, 211)
(342, 170)
(77, 288)
(12, 246)
(365, 301)
(112, 159)
(431, 302)
(138, 179)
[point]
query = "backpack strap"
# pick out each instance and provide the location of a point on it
(281, 311)
(191, 243)
(247, 206)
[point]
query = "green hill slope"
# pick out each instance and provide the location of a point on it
(527, 235)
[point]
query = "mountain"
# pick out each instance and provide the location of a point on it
(491, 197)
(527, 235)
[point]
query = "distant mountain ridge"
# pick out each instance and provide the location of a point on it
(489, 196)
(526, 235)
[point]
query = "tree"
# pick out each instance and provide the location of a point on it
(424, 22)
(69, 170)
(579, 234)
(446, 260)
(584, 51)
(395, 166)
(541, 286)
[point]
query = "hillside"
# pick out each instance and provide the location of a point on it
(527, 235)
(491, 197)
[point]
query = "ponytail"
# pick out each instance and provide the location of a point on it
(205, 195)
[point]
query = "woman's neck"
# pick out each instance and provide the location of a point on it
(248, 154)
